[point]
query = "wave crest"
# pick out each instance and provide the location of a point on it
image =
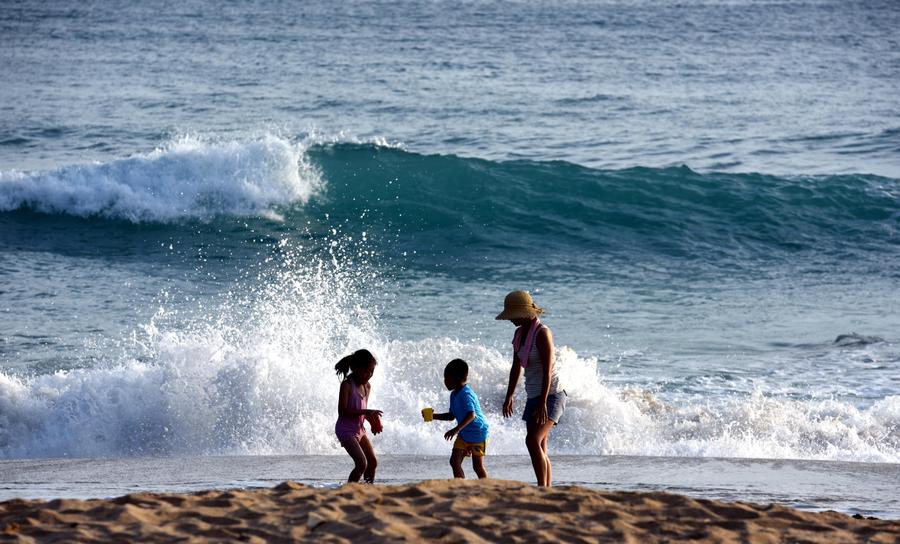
(186, 179)
(444, 205)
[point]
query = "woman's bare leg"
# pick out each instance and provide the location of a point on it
(547, 455)
(535, 439)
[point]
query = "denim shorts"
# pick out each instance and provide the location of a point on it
(556, 405)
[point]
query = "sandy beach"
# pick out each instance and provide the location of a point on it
(437, 510)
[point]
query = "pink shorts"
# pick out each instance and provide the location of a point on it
(349, 429)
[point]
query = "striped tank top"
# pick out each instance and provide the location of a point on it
(534, 374)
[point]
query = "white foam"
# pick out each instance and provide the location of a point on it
(254, 375)
(189, 178)
(274, 392)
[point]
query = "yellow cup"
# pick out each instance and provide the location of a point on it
(427, 414)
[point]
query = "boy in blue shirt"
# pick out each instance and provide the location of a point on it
(471, 427)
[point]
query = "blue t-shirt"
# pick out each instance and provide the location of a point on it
(461, 403)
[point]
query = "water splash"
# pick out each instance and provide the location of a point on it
(189, 178)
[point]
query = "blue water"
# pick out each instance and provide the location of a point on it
(202, 207)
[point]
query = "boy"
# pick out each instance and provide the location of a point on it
(471, 427)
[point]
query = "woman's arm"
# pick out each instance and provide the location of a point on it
(514, 374)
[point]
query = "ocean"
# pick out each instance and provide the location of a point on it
(204, 206)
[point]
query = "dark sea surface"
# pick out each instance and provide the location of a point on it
(204, 206)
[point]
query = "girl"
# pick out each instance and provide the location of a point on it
(352, 411)
(533, 352)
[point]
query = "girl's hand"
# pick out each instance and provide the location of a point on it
(378, 413)
(508, 407)
(451, 433)
(540, 415)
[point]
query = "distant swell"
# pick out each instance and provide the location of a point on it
(450, 202)
(445, 205)
(186, 179)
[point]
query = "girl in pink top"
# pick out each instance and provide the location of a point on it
(357, 370)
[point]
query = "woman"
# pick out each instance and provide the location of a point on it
(533, 354)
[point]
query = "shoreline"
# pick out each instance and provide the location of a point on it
(848, 487)
(444, 510)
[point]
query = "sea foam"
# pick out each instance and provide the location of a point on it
(254, 375)
(188, 178)
(205, 395)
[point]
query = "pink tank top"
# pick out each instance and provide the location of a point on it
(352, 427)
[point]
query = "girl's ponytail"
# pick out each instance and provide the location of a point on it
(343, 366)
(358, 359)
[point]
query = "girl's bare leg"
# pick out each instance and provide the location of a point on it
(371, 460)
(356, 452)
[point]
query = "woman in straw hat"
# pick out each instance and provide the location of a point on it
(533, 354)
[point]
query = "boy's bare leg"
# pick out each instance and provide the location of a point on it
(478, 466)
(537, 435)
(456, 459)
(371, 460)
(359, 459)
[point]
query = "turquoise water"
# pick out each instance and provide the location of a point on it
(202, 208)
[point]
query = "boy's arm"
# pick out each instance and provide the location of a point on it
(446, 416)
(470, 417)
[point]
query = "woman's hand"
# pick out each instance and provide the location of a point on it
(451, 433)
(368, 413)
(508, 407)
(540, 415)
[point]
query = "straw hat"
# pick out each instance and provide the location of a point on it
(519, 304)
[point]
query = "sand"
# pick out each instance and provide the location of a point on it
(439, 510)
